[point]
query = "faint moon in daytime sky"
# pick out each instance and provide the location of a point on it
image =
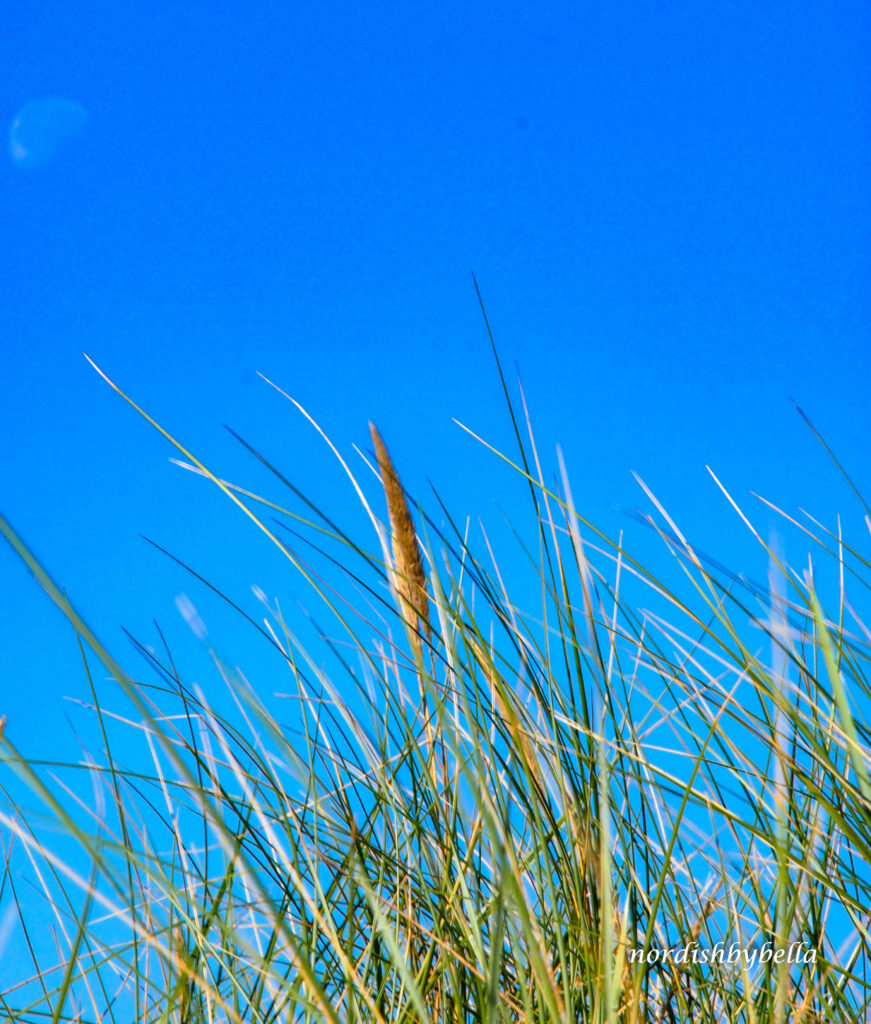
(41, 128)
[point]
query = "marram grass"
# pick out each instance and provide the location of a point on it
(492, 805)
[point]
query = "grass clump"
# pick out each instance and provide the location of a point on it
(492, 806)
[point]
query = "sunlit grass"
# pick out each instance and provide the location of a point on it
(498, 807)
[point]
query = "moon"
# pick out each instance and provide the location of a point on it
(42, 128)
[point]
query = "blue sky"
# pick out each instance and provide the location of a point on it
(666, 206)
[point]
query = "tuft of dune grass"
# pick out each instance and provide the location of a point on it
(508, 862)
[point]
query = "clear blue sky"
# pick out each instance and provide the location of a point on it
(666, 205)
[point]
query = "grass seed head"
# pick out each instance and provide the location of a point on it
(409, 577)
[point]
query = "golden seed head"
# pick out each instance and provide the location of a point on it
(409, 577)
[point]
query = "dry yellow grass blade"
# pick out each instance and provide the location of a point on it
(409, 578)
